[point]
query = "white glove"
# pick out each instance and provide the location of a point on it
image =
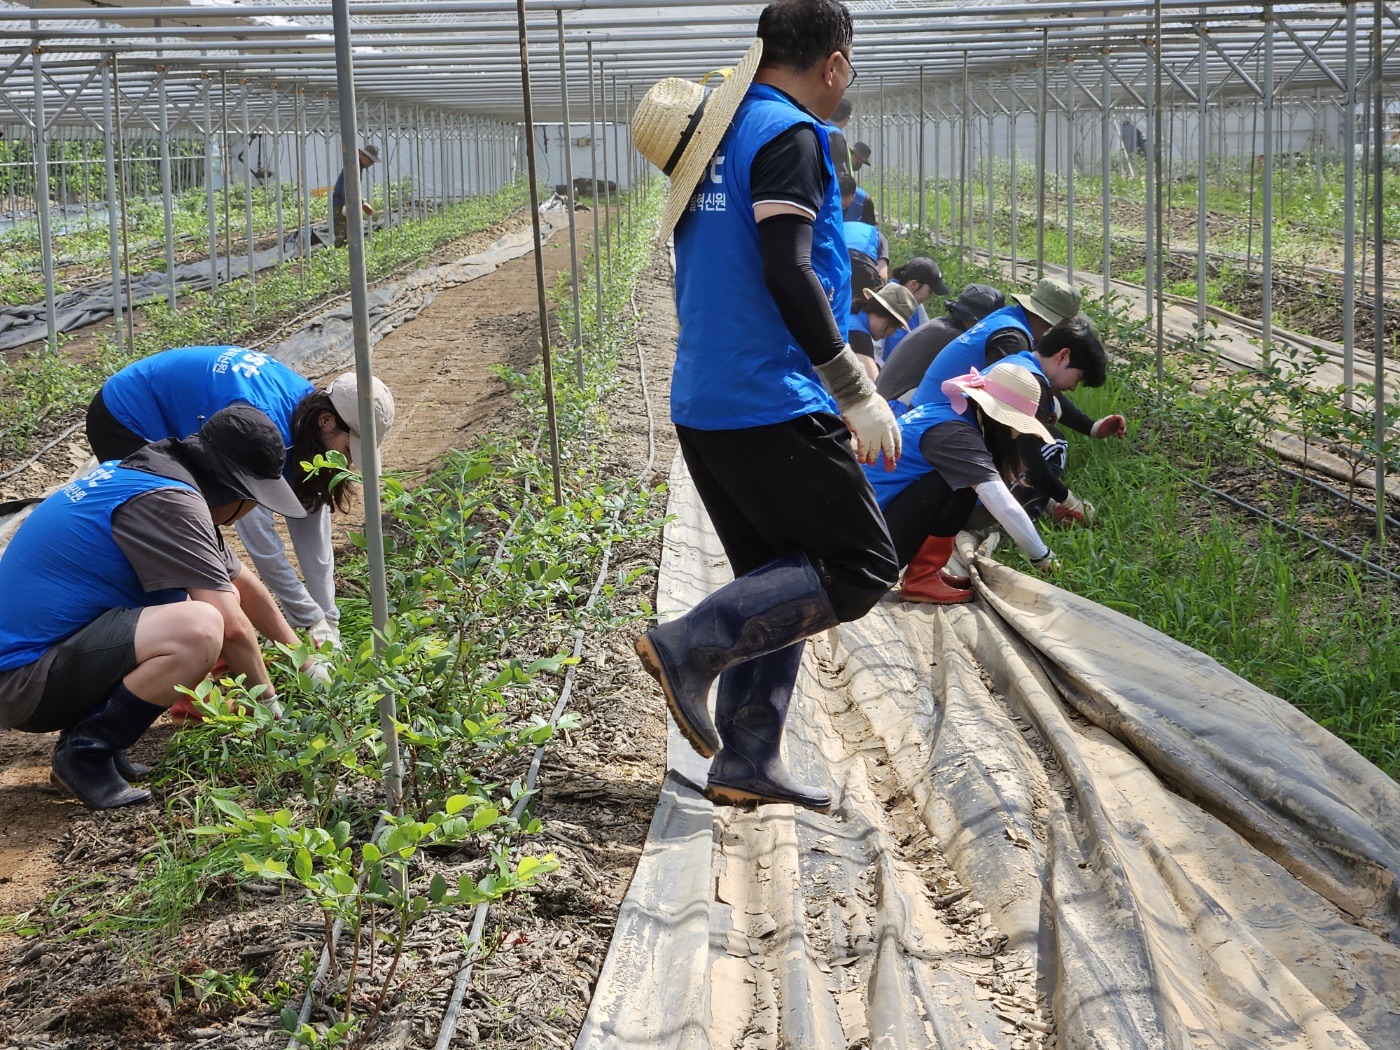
(317, 671)
(1109, 426)
(865, 411)
(323, 631)
(1047, 565)
(1072, 510)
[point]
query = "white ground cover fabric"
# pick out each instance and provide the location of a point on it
(1053, 826)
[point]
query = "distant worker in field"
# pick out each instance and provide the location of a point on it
(868, 249)
(369, 155)
(856, 204)
(96, 633)
(766, 394)
(172, 393)
(905, 366)
(923, 278)
(860, 157)
(836, 137)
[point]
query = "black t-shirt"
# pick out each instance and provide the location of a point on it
(791, 170)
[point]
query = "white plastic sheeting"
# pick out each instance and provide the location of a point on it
(1053, 827)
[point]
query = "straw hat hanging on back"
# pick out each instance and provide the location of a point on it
(679, 124)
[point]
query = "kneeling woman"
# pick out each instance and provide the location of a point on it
(954, 455)
(172, 393)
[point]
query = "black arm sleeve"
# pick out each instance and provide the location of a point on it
(785, 242)
(1038, 472)
(1072, 416)
(1005, 343)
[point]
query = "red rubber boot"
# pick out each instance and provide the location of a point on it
(924, 580)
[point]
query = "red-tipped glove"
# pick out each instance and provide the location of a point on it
(1072, 511)
(1109, 426)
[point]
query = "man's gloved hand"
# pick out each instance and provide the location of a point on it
(866, 412)
(323, 631)
(1109, 426)
(1072, 510)
(1046, 566)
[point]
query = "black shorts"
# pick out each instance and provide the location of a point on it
(81, 671)
(108, 438)
(793, 486)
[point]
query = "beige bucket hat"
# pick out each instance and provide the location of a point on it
(678, 125)
(897, 300)
(1051, 298)
(1007, 392)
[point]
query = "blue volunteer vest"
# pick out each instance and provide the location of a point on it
(862, 237)
(172, 393)
(737, 365)
(63, 569)
(857, 207)
(912, 465)
(966, 352)
(897, 336)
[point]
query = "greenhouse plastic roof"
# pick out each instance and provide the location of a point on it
(464, 55)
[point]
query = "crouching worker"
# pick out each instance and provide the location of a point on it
(118, 589)
(957, 453)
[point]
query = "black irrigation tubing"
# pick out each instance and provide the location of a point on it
(459, 987)
(1351, 501)
(35, 458)
(1341, 552)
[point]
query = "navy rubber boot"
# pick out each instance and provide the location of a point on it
(750, 710)
(126, 768)
(85, 761)
(762, 611)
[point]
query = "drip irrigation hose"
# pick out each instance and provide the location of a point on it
(38, 455)
(459, 987)
(1341, 552)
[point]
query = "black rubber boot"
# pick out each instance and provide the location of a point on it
(126, 768)
(85, 761)
(750, 709)
(767, 609)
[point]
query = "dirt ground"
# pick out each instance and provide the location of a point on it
(599, 788)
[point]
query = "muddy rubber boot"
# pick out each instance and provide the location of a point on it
(767, 609)
(924, 580)
(750, 710)
(126, 768)
(85, 760)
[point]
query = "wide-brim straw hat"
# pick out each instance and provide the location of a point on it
(678, 126)
(1007, 392)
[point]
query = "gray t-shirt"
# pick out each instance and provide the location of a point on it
(959, 454)
(171, 542)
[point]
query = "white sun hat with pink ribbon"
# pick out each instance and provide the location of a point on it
(1006, 392)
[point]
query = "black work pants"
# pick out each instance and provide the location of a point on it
(928, 507)
(795, 486)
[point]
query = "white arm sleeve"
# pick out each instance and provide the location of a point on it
(997, 498)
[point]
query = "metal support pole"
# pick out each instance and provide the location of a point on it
(1202, 143)
(603, 127)
(569, 196)
(937, 173)
(1266, 277)
(252, 274)
(277, 174)
(1040, 152)
(121, 193)
(884, 153)
(593, 177)
(1349, 209)
(303, 183)
(1069, 185)
(1012, 122)
(1106, 166)
(113, 223)
(228, 172)
(964, 220)
(923, 123)
(1155, 285)
(1378, 230)
(990, 161)
(368, 458)
(41, 182)
(210, 212)
(1149, 206)
(166, 187)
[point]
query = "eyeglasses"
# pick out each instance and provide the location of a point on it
(852, 78)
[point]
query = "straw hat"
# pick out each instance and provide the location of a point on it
(897, 300)
(1008, 393)
(679, 124)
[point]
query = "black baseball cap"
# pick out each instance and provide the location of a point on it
(976, 302)
(924, 270)
(247, 448)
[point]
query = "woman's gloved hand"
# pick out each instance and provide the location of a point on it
(1072, 510)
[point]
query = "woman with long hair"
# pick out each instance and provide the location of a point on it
(172, 393)
(956, 454)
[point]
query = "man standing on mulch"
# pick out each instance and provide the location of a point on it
(369, 154)
(762, 381)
